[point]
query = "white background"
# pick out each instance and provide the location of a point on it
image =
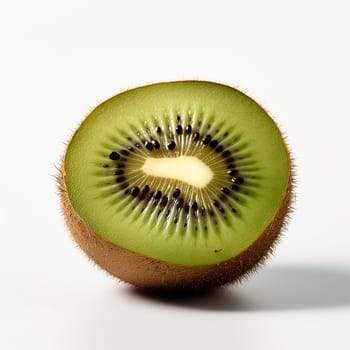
(60, 59)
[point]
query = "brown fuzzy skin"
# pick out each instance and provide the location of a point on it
(146, 272)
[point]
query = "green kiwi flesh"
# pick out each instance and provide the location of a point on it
(111, 202)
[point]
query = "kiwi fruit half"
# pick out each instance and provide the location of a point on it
(177, 185)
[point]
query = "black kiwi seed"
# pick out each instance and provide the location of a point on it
(120, 165)
(203, 211)
(158, 130)
(124, 152)
(230, 160)
(232, 172)
(178, 119)
(188, 129)
(187, 208)
(213, 144)
(238, 180)
(105, 165)
(137, 145)
(206, 139)
(225, 190)
(219, 149)
(164, 201)
(120, 179)
(149, 145)
(179, 129)
(196, 136)
(216, 203)
(131, 149)
(114, 156)
(135, 191)
(145, 189)
(195, 206)
(158, 195)
(171, 145)
(226, 154)
(119, 172)
(124, 185)
(176, 193)
(179, 203)
(155, 144)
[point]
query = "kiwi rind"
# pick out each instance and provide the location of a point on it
(147, 272)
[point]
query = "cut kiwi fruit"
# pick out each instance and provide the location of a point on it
(177, 185)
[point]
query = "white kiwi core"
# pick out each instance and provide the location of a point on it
(184, 168)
